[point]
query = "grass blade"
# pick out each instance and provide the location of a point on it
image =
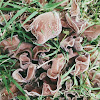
(5, 82)
(14, 17)
(9, 9)
(31, 16)
(14, 5)
(3, 17)
(63, 76)
(51, 6)
(1, 2)
(17, 85)
(5, 3)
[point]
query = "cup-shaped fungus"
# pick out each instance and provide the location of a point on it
(4, 95)
(30, 74)
(6, 16)
(75, 10)
(42, 60)
(24, 61)
(72, 42)
(68, 42)
(93, 53)
(46, 26)
(95, 77)
(51, 89)
(92, 32)
(42, 2)
(57, 65)
(77, 25)
(39, 49)
(82, 64)
(63, 4)
(69, 84)
(77, 44)
(27, 1)
(14, 46)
